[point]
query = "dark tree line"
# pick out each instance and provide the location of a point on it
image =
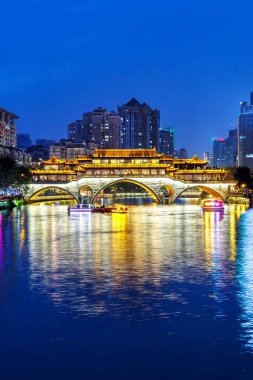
(243, 177)
(13, 176)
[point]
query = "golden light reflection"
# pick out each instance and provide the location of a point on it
(87, 259)
(211, 234)
(220, 247)
(213, 231)
(235, 213)
(245, 279)
(232, 234)
(22, 231)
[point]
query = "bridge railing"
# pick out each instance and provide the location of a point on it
(125, 176)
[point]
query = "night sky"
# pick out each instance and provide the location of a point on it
(192, 59)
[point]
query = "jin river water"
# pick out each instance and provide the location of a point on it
(163, 292)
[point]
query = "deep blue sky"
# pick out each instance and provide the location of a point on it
(192, 59)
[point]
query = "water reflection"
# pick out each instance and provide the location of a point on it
(122, 264)
(140, 265)
(1, 241)
(94, 262)
(151, 286)
(211, 222)
(245, 279)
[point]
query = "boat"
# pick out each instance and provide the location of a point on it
(103, 208)
(87, 207)
(212, 205)
(80, 207)
(239, 201)
(119, 209)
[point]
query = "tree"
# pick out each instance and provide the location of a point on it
(13, 176)
(243, 177)
(22, 180)
(7, 172)
(230, 173)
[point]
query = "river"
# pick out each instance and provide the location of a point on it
(163, 292)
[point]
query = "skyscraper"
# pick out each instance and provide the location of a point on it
(140, 125)
(245, 134)
(231, 148)
(104, 126)
(166, 140)
(219, 152)
(99, 126)
(225, 150)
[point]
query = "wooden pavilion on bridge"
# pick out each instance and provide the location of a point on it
(127, 163)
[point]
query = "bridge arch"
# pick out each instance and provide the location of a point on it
(209, 190)
(62, 192)
(128, 180)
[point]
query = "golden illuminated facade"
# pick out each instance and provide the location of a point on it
(127, 163)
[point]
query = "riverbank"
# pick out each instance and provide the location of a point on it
(9, 204)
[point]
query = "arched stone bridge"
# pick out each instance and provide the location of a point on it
(152, 185)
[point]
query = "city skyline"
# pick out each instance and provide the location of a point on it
(67, 133)
(188, 67)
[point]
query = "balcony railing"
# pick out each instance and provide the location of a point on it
(125, 176)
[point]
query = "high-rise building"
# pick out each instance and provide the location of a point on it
(104, 126)
(210, 160)
(166, 141)
(75, 130)
(225, 150)
(8, 138)
(245, 134)
(8, 134)
(208, 157)
(23, 141)
(100, 127)
(219, 152)
(231, 148)
(140, 125)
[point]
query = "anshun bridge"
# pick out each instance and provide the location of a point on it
(91, 175)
